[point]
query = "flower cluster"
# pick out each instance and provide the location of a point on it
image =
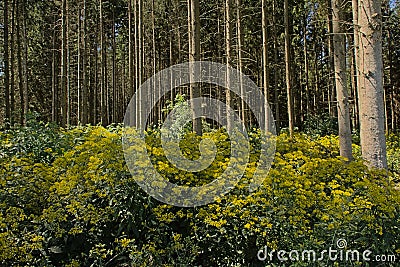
(71, 200)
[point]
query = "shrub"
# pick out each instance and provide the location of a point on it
(81, 207)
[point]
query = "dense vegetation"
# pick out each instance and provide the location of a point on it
(67, 199)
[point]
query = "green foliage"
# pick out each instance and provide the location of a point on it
(81, 207)
(320, 125)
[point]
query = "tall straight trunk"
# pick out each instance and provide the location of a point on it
(69, 102)
(140, 61)
(354, 90)
(54, 74)
(228, 96)
(331, 65)
(194, 56)
(6, 64)
(265, 62)
(84, 69)
(63, 93)
(372, 117)
(24, 59)
(240, 56)
(130, 50)
(276, 68)
(103, 73)
(339, 49)
(114, 70)
(12, 61)
(156, 88)
(79, 62)
(19, 61)
(288, 68)
(356, 40)
(306, 69)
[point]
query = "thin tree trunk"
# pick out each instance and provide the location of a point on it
(6, 65)
(240, 56)
(63, 97)
(12, 62)
(54, 74)
(265, 62)
(114, 70)
(103, 73)
(194, 56)
(339, 49)
(228, 95)
(84, 69)
(288, 68)
(19, 61)
(276, 67)
(79, 65)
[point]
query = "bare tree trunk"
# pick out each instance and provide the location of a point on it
(54, 74)
(240, 56)
(288, 69)
(103, 73)
(372, 117)
(12, 62)
(265, 62)
(63, 97)
(228, 96)
(306, 70)
(84, 70)
(114, 70)
(339, 49)
(79, 82)
(139, 63)
(276, 71)
(130, 49)
(194, 56)
(6, 64)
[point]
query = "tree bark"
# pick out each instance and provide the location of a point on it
(6, 65)
(288, 69)
(372, 117)
(228, 96)
(63, 93)
(265, 62)
(339, 57)
(194, 55)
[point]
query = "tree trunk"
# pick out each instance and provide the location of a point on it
(339, 50)
(288, 68)
(240, 56)
(63, 97)
(54, 74)
(228, 96)
(6, 65)
(372, 118)
(194, 55)
(103, 73)
(265, 62)
(276, 69)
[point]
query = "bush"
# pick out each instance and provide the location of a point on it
(81, 207)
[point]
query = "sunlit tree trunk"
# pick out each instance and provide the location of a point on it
(228, 96)
(288, 68)
(372, 117)
(194, 55)
(339, 50)
(265, 61)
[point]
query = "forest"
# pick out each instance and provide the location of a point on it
(302, 98)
